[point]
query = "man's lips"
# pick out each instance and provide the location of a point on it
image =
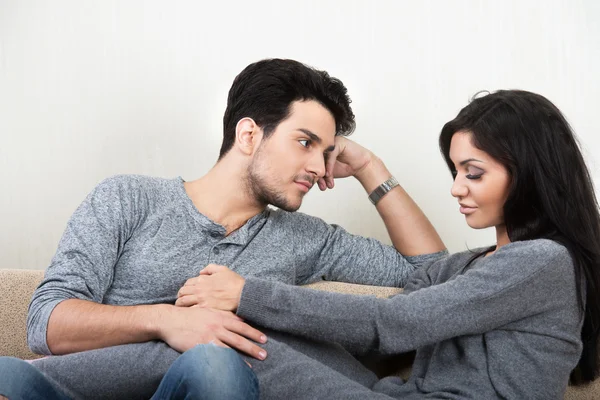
(305, 186)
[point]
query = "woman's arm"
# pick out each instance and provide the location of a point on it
(519, 280)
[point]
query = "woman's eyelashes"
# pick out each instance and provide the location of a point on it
(469, 176)
(471, 173)
(474, 172)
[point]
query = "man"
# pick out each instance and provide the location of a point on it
(107, 303)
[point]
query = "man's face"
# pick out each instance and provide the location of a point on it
(292, 159)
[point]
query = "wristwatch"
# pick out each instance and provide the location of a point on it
(382, 189)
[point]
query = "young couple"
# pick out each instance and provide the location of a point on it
(167, 289)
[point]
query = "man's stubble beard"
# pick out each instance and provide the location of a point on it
(261, 191)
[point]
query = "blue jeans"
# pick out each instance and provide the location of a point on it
(208, 372)
(203, 372)
(21, 380)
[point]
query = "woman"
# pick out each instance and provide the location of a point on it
(514, 321)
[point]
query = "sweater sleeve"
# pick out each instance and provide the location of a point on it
(521, 279)
(83, 265)
(329, 252)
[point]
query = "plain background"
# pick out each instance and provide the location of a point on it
(89, 89)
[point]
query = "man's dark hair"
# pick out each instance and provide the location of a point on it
(265, 90)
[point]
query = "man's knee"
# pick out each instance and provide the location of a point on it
(14, 369)
(210, 361)
(218, 370)
(15, 374)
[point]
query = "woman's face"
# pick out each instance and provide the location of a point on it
(480, 184)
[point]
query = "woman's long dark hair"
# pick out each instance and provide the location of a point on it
(551, 194)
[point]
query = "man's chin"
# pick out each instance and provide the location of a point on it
(288, 205)
(288, 208)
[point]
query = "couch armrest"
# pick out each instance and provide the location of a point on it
(16, 288)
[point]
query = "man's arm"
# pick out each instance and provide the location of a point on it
(79, 325)
(329, 252)
(411, 232)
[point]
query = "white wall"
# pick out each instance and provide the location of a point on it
(94, 88)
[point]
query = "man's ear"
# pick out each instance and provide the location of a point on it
(247, 135)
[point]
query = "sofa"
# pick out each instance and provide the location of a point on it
(17, 286)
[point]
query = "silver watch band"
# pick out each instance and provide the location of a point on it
(382, 189)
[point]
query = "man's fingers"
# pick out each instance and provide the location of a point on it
(217, 342)
(321, 183)
(185, 290)
(186, 301)
(242, 344)
(330, 183)
(212, 268)
(245, 330)
(229, 315)
(191, 281)
(330, 166)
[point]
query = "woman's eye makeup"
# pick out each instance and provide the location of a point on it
(474, 172)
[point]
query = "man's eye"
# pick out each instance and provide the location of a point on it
(304, 142)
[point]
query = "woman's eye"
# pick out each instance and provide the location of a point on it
(474, 173)
(304, 142)
(470, 176)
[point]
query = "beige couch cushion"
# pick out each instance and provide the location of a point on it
(351, 288)
(16, 289)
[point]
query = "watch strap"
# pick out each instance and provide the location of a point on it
(382, 190)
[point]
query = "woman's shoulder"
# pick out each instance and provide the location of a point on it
(544, 249)
(536, 255)
(536, 249)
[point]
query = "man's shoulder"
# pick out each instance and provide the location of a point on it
(296, 220)
(131, 185)
(133, 181)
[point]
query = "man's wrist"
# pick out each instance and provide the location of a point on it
(382, 190)
(373, 175)
(157, 313)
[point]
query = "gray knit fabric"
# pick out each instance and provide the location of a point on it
(136, 240)
(508, 327)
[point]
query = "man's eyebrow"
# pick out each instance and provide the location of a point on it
(468, 160)
(317, 139)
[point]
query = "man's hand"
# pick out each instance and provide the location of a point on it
(216, 287)
(347, 159)
(184, 327)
